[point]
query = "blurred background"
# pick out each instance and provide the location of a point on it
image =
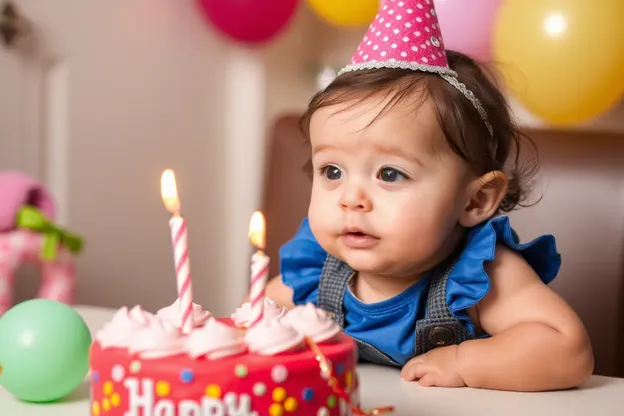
(98, 97)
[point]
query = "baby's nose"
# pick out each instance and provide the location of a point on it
(354, 198)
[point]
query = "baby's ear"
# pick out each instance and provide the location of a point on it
(485, 196)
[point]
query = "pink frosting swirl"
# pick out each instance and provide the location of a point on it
(215, 340)
(173, 316)
(271, 337)
(122, 329)
(312, 322)
(272, 310)
(157, 340)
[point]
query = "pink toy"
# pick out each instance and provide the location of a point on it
(22, 246)
(28, 235)
(17, 189)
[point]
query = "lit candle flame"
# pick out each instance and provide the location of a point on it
(257, 227)
(169, 192)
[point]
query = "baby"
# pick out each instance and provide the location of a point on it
(415, 157)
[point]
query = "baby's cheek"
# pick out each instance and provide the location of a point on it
(418, 229)
(319, 218)
(322, 233)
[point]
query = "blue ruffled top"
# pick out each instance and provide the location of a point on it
(390, 325)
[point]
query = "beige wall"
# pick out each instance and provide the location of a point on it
(202, 107)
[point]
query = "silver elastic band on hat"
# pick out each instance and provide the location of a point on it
(449, 75)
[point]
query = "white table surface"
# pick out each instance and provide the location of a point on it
(382, 386)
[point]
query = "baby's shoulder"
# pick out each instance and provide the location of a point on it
(510, 268)
(494, 261)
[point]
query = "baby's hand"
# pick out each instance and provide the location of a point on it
(438, 367)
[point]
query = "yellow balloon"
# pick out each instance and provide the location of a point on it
(562, 59)
(349, 13)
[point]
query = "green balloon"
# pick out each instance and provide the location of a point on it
(44, 350)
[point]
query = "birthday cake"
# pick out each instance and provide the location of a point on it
(292, 362)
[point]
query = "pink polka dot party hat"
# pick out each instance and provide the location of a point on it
(406, 34)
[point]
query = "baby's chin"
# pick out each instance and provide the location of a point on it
(366, 262)
(381, 264)
(374, 261)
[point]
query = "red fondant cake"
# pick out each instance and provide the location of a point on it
(142, 365)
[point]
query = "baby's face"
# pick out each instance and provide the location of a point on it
(386, 196)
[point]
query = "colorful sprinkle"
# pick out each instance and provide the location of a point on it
(348, 379)
(322, 412)
(240, 371)
(279, 394)
(95, 376)
(186, 376)
(115, 400)
(135, 367)
(118, 373)
(106, 404)
(163, 389)
(107, 389)
(259, 389)
(276, 409)
(308, 394)
(339, 368)
(291, 404)
(279, 374)
(213, 391)
(331, 401)
(95, 409)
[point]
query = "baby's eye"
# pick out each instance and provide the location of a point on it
(331, 172)
(391, 175)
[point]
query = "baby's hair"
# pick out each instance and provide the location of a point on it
(464, 129)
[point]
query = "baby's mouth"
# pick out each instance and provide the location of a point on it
(357, 234)
(358, 240)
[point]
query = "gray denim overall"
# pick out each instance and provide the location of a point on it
(437, 329)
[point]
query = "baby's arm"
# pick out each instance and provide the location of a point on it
(279, 292)
(537, 341)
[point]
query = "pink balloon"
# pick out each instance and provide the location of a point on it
(250, 21)
(467, 25)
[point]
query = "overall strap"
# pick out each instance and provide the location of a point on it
(439, 327)
(332, 287)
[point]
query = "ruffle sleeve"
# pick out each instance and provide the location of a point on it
(301, 264)
(468, 281)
